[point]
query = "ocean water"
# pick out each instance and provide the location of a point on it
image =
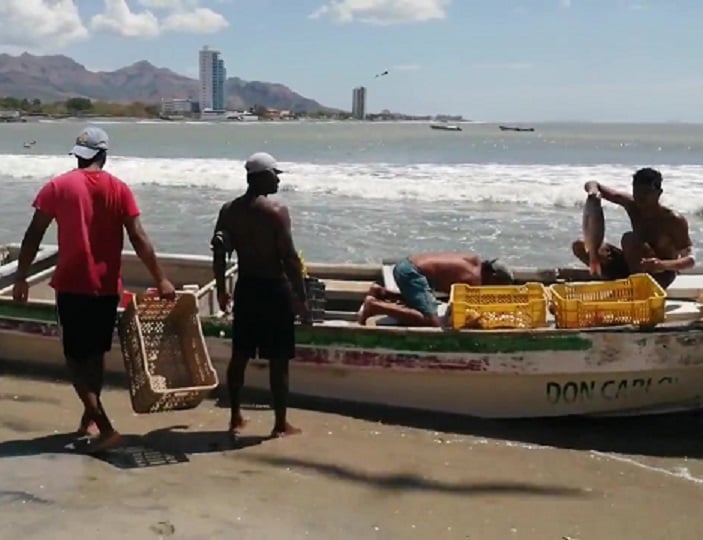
(364, 191)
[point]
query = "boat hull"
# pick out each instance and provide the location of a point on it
(494, 376)
(491, 374)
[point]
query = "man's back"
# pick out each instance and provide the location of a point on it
(443, 269)
(252, 229)
(90, 207)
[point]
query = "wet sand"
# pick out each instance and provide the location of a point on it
(347, 476)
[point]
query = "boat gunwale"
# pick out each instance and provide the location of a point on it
(44, 306)
(351, 328)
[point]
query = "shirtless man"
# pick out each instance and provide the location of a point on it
(420, 275)
(270, 287)
(658, 243)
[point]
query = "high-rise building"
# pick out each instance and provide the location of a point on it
(212, 80)
(359, 103)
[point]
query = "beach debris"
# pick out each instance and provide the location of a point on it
(163, 528)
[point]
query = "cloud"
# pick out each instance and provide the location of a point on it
(382, 12)
(182, 16)
(170, 5)
(198, 21)
(119, 19)
(565, 3)
(39, 25)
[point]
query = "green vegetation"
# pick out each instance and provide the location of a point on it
(79, 106)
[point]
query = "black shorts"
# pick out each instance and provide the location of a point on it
(263, 319)
(87, 324)
(616, 267)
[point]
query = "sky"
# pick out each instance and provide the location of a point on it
(494, 60)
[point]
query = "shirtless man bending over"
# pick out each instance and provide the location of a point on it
(659, 242)
(420, 275)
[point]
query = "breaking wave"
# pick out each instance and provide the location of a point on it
(555, 186)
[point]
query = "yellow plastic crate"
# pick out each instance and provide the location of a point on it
(636, 300)
(498, 306)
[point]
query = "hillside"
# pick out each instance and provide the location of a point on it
(56, 78)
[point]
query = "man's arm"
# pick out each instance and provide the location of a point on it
(144, 248)
(684, 247)
(292, 264)
(31, 241)
(609, 194)
(221, 250)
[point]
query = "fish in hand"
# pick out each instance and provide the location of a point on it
(593, 231)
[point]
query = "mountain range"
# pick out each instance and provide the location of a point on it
(58, 77)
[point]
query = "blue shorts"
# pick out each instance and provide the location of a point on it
(414, 288)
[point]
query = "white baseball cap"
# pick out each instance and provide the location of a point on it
(89, 142)
(260, 162)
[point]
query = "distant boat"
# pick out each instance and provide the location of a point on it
(514, 128)
(446, 127)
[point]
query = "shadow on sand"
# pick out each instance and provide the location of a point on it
(167, 446)
(663, 435)
(412, 482)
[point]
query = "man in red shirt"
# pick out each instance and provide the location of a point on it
(91, 208)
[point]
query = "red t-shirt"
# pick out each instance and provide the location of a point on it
(90, 208)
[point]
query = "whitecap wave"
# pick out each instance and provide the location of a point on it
(556, 186)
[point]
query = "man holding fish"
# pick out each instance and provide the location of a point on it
(659, 242)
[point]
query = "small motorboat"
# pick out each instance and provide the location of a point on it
(446, 127)
(515, 128)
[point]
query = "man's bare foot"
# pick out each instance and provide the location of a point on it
(237, 425)
(87, 428)
(105, 442)
(365, 311)
(377, 291)
(285, 431)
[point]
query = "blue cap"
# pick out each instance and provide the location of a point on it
(89, 142)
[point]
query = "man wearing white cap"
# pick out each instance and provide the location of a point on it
(92, 208)
(270, 288)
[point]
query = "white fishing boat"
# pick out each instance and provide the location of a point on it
(486, 373)
(446, 127)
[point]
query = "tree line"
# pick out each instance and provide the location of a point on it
(79, 106)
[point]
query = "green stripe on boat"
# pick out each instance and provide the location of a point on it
(511, 342)
(449, 342)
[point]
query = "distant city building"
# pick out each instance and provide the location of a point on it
(359, 103)
(212, 80)
(178, 107)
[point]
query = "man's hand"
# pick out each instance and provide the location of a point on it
(592, 189)
(166, 290)
(303, 311)
(594, 194)
(20, 291)
(652, 265)
(223, 300)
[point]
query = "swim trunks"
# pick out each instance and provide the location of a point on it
(263, 319)
(414, 288)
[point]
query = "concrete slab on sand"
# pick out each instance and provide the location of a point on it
(344, 477)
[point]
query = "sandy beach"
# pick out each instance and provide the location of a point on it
(352, 474)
